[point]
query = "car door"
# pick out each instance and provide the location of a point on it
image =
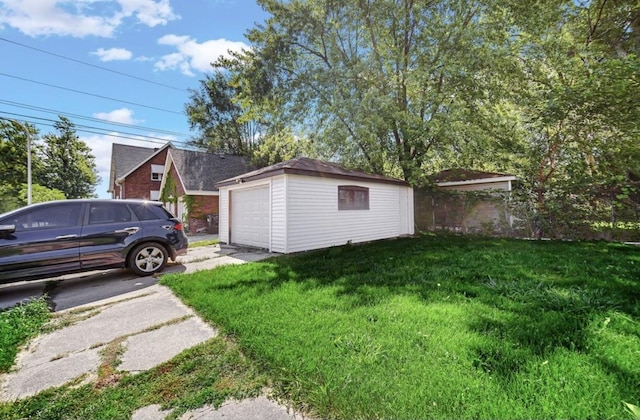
(109, 228)
(44, 241)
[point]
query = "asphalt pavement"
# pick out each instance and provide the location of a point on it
(152, 324)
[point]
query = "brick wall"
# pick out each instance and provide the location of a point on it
(139, 184)
(203, 206)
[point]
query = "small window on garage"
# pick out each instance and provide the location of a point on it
(352, 197)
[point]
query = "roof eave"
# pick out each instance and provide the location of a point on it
(477, 181)
(304, 172)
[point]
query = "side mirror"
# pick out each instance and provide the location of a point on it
(7, 229)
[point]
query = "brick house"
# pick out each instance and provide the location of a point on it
(188, 185)
(136, 172)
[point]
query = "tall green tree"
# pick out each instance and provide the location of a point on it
(384, 85)
(13, 152)
(580, 122)
(13, 162)
(67, 162)
(221, 122)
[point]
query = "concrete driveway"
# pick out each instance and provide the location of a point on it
(152, 324)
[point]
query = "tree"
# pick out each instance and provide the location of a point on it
(13, 162)
(384, 85)
(221, 122)
(580, 128)
(68, 164)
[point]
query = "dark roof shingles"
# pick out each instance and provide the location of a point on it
(312, 167)
(200, 171)
(128, 157)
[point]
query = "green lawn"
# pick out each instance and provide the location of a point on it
(438, 327)
(427, 327)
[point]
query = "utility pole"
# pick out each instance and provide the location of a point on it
(26, 132)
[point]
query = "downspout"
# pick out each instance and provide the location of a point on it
(121, 187)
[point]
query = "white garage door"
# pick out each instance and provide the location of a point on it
(250, 217)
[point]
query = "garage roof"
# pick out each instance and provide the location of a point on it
(309, 167)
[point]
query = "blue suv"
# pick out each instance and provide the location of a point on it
(61, 237)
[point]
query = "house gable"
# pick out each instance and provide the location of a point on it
(127, 160)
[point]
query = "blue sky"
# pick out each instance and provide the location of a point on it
(168, 43)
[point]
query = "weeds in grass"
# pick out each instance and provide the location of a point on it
(17, 325)
(209, 373)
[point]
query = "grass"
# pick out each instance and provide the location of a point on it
(17, 325)
(427, 327)
(203, 243)
(438, 327)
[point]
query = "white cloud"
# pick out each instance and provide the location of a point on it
(113, 54)
(122, 116)
(143, 59)
(194, 56)
(80, 18)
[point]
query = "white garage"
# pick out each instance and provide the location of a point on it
(305, 204)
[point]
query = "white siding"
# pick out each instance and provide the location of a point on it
(304, 213)
(223, 221)
(411, 223)
(279, 214)
(314, 221)
(403, 210)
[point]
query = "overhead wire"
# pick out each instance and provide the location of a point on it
(92, 129)
(105, 131)
(96, 130)
(90, 94)
(94, 119)
(91, 65)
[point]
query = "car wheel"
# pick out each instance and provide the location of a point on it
(148, 259)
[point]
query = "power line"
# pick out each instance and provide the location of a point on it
(91, 94)
(92, 65)
(82, 117)
(90, 130)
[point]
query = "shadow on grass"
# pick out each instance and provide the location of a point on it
(547, 293)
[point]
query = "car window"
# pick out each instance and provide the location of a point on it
(151, 212)
(101, 213)
(48, 217)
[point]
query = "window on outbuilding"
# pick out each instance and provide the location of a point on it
(352, 197)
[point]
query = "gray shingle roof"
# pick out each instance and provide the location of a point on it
(310, 167)
(200, 171)
(124, 158)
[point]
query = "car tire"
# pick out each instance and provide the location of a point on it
(148, 259)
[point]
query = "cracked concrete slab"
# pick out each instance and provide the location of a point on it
(142, 353)
(248, 409)
(31, 379)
